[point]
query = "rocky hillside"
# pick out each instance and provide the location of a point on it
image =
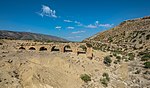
(28, 36)
(129, 43)
(135, 32)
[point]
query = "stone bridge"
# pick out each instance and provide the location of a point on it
(77, 48)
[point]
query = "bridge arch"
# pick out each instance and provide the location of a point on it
(67, 48)
(82, 49)
(32, 48)
(43, 49)
(22, 48)
(54, 48)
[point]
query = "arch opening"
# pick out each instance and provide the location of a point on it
(82, 49)
(67, 48)
(54, 48)
(43, 49)
(22, 48)
(32, 48)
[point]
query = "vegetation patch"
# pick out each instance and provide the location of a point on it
(147, 37)
(131, 56)
(110, 39)
(107, 60)
(117, 51)
(114, 54)
(105, 79)
(145, 57)
(83, 47)
(147, 64)
(88, 45)
(118, 58)
(85, 77)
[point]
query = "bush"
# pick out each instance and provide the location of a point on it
(118, 58)
(147, 37)
(115, 54)
(124, 58)
(106, 76)
(131, 56)
(110, 39)
(88, 45)
(83, 47)
(146, 57)
(107, 60)
(115, 62)
(104, 82)
(147, 65)
(105, 79)
(85, 77)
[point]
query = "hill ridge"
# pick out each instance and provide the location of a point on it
(6, 34)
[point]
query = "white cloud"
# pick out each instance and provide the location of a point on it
(78, 32)
(69, 21)
(74, 37)
(78, 23)
(91, 26)
(70, 27)
(105, 25)
(78, 36)
(97, 22)
(58, 27)
(70, 37)
(97, 25)
(47, 11)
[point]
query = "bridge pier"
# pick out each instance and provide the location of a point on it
(89, 53)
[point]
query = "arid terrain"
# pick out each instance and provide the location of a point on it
(119, 61)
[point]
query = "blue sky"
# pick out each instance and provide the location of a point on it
(71, 19)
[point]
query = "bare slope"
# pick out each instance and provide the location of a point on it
(134, 32)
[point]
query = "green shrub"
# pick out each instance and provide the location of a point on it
(49, 41)
(141, 53)
(147, 64)
(110, 39)
(83, 47)
(138, 72)
(118, 58)
(105, 79)
(148, 37)
(146, 57)
(124, 58)
(106, 76)
(131, 56)
(115, 54)
(115, 62)
(85, 77)
(88, 45)
(107, 60)
(104, 82)
(118, 51)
